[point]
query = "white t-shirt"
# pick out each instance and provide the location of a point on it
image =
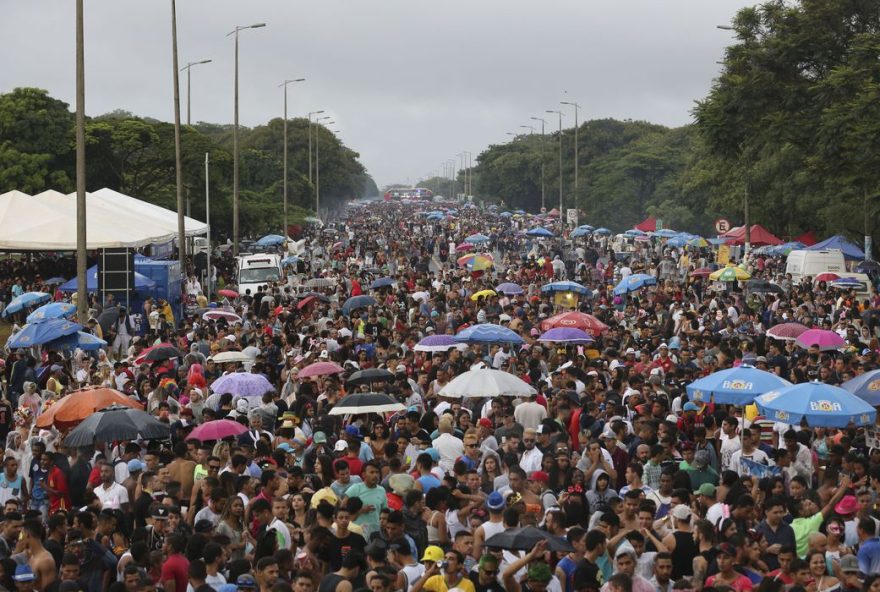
(113, 497)
(757, 455)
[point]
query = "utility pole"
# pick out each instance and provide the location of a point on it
(576, 107)
(188, 67)
(178, 165)
(208, 222)
(543, 123)
(560, 161)
(82, 295)
(284, 84)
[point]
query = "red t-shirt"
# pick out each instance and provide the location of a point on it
(176, 568)
(57, 480)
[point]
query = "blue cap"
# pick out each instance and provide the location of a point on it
(23, 573)
(246, 581)
(227, 588)
(353, 431)
(691, 406)
(285, 447)
(435, 454)
(495, 501)
(135, 465)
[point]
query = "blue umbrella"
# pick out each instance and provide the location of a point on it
(82, 340)
(634, 282)
(289, 261)
(141, 282)
(55, 281)
(579, 232)
(587, 227)
(865, 386)
(434, 217)
(505, 214)
(271, 240)
(634, 232)
(24, 301)
(566, 286)
(822, 405)
(488, 334)
(53, 310)
(357, 302)
(382, 282)
(677, 241)
(520, 212)
(509, 288)
(570, 335)
(477, 238)
(602, 231)
(40, 332)
(845, 282)
(735, 386)
(540, 232)
(665, 233)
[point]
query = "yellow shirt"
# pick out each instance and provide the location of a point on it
(438, 584)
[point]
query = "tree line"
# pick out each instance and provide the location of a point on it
(135, 156)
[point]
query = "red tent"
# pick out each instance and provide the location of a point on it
(649, 224)
(759, 236)
(808, 238)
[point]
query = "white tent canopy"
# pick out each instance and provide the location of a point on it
(47, 221)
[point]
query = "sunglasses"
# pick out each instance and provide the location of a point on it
(490, 572)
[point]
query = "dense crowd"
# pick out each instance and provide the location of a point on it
(632, 485)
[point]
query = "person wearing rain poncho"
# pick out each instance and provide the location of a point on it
(600, 493)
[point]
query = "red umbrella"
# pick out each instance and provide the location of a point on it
(228, 293)
(701, 272)
(217, 430)
(576, 320)
(826, 277)
(305, 302)
(142, 359)
(786, 331)
(320, 369)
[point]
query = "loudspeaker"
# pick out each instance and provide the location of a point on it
(116, 275)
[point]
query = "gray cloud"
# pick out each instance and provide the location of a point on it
(409, 83)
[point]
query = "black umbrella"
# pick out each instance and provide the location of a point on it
(763, 286)
(369, 376)
(364, 403)
(525, 539)
(161, 353)
(867, 267)
(315, 295)
(116, 423)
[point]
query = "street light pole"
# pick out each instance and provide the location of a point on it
(82, 295)
(284, 85)
(560, 160)
(318, 164)
(208, 222)
(576, 107)
(235, 142)
(543, 123)
(469, 175)
(310, 142)
(178, 165)
(188, 67)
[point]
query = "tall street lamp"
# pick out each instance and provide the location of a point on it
(178, 165)
(310, 141)
(284, 85)
(82, 295)
(576, 107)
(235, 142)
(188, 67)
(469, 175)
(559, 113)
(543, 123)
(318, 163)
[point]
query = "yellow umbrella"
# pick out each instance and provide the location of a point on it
(483, 293)
(730, 273)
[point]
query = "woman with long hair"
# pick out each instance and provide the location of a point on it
(378, 439)
(232, 526)
(298, 509)
(822, 582)
(561, 471)
(489, 470)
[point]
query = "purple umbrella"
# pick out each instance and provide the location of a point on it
(509, 288)
(787, 331)
(242, 384)
(436, 343)
(825, 340)
(566, 335)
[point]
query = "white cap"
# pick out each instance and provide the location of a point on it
(345, 332)
(629, 351)
(662, 345)
(614, 364)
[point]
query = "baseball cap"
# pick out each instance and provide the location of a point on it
(319, 438)
(539, 476)
(690, 406)
(340, 445)
(400, 368)
(485, 422)
(629, 350)
(134, 465)
(495, 501)
(701, 460)
(353, 431)
(849, 564)
(24, 573)
(246, 581)
(706, 489)
(681, 512)
(727, 549)
(434, 453)
(159, 513)
(433, 553)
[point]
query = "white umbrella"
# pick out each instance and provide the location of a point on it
(421, 295)
(231, 356)
(486, 383)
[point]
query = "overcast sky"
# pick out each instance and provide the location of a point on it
(410, 83)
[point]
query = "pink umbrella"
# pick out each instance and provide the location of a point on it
(826, 277)
(216, 315)
(217, 430)
(786, 331)
(320, 369)
(825, 340)
(464, 247)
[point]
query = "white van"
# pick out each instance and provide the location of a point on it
(802, 263)
(257, 270)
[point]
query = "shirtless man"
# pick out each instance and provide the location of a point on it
(39, 558)
(182, 470)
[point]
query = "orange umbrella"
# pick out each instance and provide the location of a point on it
(80, 404)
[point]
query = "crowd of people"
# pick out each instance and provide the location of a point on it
(630, 485)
